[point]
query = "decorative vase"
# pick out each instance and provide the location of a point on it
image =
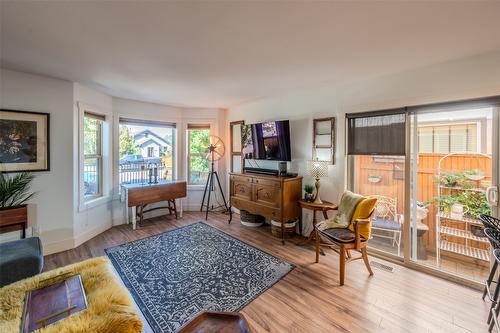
(308, 197)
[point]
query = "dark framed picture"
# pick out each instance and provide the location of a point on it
(24, 141)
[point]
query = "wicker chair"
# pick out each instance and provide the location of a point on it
(343, 241)
(387, 219)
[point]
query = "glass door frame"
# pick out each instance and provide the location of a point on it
(409, 250)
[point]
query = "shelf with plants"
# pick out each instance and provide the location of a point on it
(461, 200)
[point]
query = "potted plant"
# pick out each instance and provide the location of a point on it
(474, 174)
(374, 178)
(445, 202)
(14, 193)
(309, 192)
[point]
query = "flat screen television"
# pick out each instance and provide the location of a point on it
(266, 141)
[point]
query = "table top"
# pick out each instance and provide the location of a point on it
(325, 205)
(146, 184)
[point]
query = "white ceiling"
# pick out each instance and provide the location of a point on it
(215, 54)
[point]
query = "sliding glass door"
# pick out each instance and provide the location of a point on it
(453, 165)
(432, 193)
(376, 150)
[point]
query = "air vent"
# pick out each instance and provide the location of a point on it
(382, 266)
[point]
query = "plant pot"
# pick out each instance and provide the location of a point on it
(14, 218)
(308, 196)
(374, 179)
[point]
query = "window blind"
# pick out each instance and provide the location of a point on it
(94, 116)
(153, 123)
(377, 133)
(199, 126)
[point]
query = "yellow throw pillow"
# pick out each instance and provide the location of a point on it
(363, 210)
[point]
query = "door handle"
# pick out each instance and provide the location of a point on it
(492, 195)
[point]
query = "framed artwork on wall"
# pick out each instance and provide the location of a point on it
(24, 141)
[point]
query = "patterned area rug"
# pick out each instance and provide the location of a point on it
(175, 275)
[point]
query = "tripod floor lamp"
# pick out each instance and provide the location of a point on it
(215, 152)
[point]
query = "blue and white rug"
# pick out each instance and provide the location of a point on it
(175, 275)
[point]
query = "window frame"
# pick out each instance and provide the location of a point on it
(87, 202)
(98, 156)
(468, 123)
(190, 127)
(126, 119)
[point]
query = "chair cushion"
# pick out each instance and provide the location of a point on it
(342, 235)
(386, 224)
(20, 259)
(363, 210)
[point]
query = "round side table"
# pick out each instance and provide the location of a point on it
(323, 207)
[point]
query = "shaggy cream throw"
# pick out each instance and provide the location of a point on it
(347, 205)
(110, 308)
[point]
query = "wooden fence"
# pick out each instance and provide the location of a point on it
(391, 184)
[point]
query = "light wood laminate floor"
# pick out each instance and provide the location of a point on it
(309, 298)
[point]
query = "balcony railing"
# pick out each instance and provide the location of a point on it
(132, 172)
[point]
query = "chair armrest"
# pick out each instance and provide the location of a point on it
(357, 223)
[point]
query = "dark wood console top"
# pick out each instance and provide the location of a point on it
(250, 174)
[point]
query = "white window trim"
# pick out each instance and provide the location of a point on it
(105, 196)
(177, 164)
(213, 131)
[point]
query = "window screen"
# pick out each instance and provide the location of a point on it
(377, 133)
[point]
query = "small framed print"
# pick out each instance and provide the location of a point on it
(24, 141)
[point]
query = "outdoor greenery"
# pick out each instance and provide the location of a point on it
(128, 146)
(91, 133)
(474, 202)
(453, 179)
(198, 148)
(15, 190)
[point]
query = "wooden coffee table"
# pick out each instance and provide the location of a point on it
(217, 322)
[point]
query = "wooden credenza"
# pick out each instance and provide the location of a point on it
(273, 197)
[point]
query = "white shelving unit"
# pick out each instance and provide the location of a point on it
(462, 228)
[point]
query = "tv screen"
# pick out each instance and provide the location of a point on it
(266, 141)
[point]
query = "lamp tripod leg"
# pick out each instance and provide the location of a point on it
(228, 208)
(209, 193)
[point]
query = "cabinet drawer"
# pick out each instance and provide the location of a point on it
(241, 189)
(267, 182)
(244, 179)
(266, 195)
(252, 207)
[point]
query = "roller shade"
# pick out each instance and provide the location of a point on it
(199, 126)
(377, 133)
(94, 116)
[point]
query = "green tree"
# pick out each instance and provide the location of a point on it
(198, 145)
(128, 146)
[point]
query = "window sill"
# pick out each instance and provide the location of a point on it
(95, 202)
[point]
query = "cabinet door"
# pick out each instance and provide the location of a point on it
(266, 195)
(241, 188)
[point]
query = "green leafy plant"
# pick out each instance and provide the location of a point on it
(476, 203)
(453, 179)
(445, 201)
(15, 190)
(309, 188)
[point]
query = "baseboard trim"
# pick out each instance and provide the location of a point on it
(89, 234)
(59, 246)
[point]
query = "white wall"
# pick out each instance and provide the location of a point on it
(89, 221)
(51, 211)
(460, 79)
(181, 117)
(57, 213)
